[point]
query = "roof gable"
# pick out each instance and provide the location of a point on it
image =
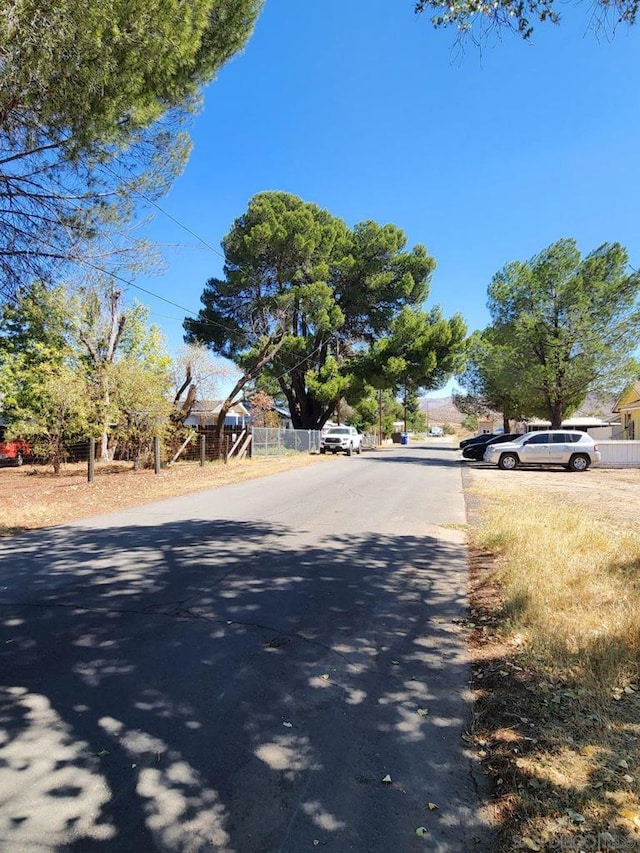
(629, 397)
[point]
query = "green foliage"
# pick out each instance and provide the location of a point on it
(322, 295)
(470, 422)
(421, 350)
(75, 365)
(448, 429)
(53, 411)
(479, 18)
(82, 92)
(141, 398)
(416, 418)
(563, 326)
(495, 379)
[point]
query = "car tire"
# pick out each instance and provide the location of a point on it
(323, 450)
(508, 461)
(358, 450)
(579, 462)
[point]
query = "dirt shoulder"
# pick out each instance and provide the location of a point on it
(32, 496)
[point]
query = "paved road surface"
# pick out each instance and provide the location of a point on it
(237, 670)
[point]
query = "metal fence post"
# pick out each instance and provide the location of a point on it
(203, 449)
(91, 461)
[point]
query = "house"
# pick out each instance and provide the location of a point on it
(598, 428)
(205, 413)
(628, 406)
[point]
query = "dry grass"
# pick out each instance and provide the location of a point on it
(32, 497)
(556, 598)
(571, 585)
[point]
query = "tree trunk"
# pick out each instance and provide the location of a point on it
(556, 413)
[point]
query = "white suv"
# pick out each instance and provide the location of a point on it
(341, 439)
(574, 449)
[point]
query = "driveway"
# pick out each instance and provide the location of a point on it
(240, 669)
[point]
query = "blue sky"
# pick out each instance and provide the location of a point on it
(363, 108)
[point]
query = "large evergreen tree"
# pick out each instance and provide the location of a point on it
(82, 91)
(569, 325)
(306, 299)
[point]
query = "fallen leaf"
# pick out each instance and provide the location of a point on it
(628, 778)
(395, 662)
(102, 753)
(623, 763)
(432, 806)
(422, 712)
(315, 842)
(387, 778)
(326, 676)
(288, 725)
(576, 817)
(421, 830)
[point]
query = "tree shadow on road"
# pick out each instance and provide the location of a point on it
(213, 685)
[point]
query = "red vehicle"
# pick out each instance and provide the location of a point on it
(13, 452)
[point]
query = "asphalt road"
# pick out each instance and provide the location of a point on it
(239, 669)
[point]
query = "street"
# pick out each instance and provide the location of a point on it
(240, 669)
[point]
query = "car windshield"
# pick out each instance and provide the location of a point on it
(521, 438)
(339, 431)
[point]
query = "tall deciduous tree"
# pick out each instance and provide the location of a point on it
(86, 341)
(82, 91)
(571, 323)
(304, 298)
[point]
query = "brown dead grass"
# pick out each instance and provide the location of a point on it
(32, 497)
(554, 578)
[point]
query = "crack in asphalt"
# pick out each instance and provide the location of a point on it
(181, 613)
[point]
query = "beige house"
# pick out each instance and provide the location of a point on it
(628, 406)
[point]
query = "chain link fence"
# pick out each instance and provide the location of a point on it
(279, 442)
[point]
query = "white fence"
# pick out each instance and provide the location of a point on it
(619, 454)
(277, 442)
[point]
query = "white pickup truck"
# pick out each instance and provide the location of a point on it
(341, 439)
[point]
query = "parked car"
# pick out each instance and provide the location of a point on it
(474, 439)
(476, 450)
(14, 452)
(573, 449)
(341, 439)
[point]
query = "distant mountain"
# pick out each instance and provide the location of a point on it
(440, 410)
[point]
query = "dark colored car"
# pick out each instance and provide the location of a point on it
(484, 437)
(476, 451)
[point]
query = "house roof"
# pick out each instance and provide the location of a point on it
(587, 421)
(212, 407)
(630, 393)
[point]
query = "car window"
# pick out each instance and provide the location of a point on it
(561, 438)
(541, 438)
(574, 437)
